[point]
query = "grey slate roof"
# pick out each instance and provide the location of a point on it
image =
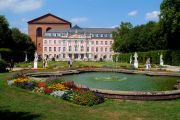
(82, 30)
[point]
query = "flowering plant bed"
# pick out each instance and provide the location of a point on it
(66, 90)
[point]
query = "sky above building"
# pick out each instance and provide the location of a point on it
(85, 13)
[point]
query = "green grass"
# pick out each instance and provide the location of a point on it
(19, 104)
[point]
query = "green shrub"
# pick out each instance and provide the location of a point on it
(3, 66)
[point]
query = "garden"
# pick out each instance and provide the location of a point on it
(43, 100)
(66, 90)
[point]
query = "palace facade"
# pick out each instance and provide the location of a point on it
(60, 41)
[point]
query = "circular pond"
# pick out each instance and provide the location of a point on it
(123, 82)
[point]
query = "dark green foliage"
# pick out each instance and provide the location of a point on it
(163, 35)
(139, 38)
(23, 44)
(6, 40)
(14, 44)
(3, 66)
(170, 57)
(170, 22)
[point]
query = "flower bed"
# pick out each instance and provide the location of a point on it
(59, 89)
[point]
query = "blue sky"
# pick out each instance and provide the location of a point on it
(85, 13)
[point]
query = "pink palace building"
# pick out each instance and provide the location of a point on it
(78, 43)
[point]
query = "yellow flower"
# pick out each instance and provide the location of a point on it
(20, 80)
(57, 86)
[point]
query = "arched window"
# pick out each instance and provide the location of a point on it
(39, 32)
(48, 29)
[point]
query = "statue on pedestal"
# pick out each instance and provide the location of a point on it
(135, 60)
(161, 60)
(35, 60)
(148, 64)
(26, 59)
(130, 61)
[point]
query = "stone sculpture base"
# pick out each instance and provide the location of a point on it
(35, 65)
(135, 65)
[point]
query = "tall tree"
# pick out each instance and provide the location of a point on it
(170, 22)
(6, 40)
(121, 36)
(23, 43)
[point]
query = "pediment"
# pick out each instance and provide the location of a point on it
(48, 18)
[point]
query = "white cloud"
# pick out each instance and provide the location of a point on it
(133, 13)
(24, 20)
(78, 20)
(20, 6)
(154, 15)
(114, 26)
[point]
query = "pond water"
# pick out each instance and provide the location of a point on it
(124, 82)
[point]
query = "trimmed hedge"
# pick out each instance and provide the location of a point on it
(169, 57)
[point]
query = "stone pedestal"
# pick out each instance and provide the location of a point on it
(136, 65)
(161, 63)
(35, 65)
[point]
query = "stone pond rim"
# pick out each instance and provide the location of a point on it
(114, 94)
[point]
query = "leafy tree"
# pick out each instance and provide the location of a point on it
(139, 38)
(13, 43)
(5, 33)
(121, 36)
(23, 43)
(170, 22)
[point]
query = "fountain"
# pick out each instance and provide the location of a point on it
(116, 83)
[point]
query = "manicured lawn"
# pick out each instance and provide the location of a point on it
(19, 104)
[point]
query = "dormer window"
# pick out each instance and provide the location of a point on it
(59, 34)
(97, 35)
(110, 35)
(102, 35)
(54, 34)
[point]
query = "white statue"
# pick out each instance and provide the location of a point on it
(26, 59)
(35, 60)
(117, 58)
(161, 60)
(130, 61)
(148, 64)
(135, 60)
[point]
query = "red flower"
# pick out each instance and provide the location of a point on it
(41, 84)
(47, 91)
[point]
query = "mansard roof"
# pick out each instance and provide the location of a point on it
(82, 30)
(41, 20)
